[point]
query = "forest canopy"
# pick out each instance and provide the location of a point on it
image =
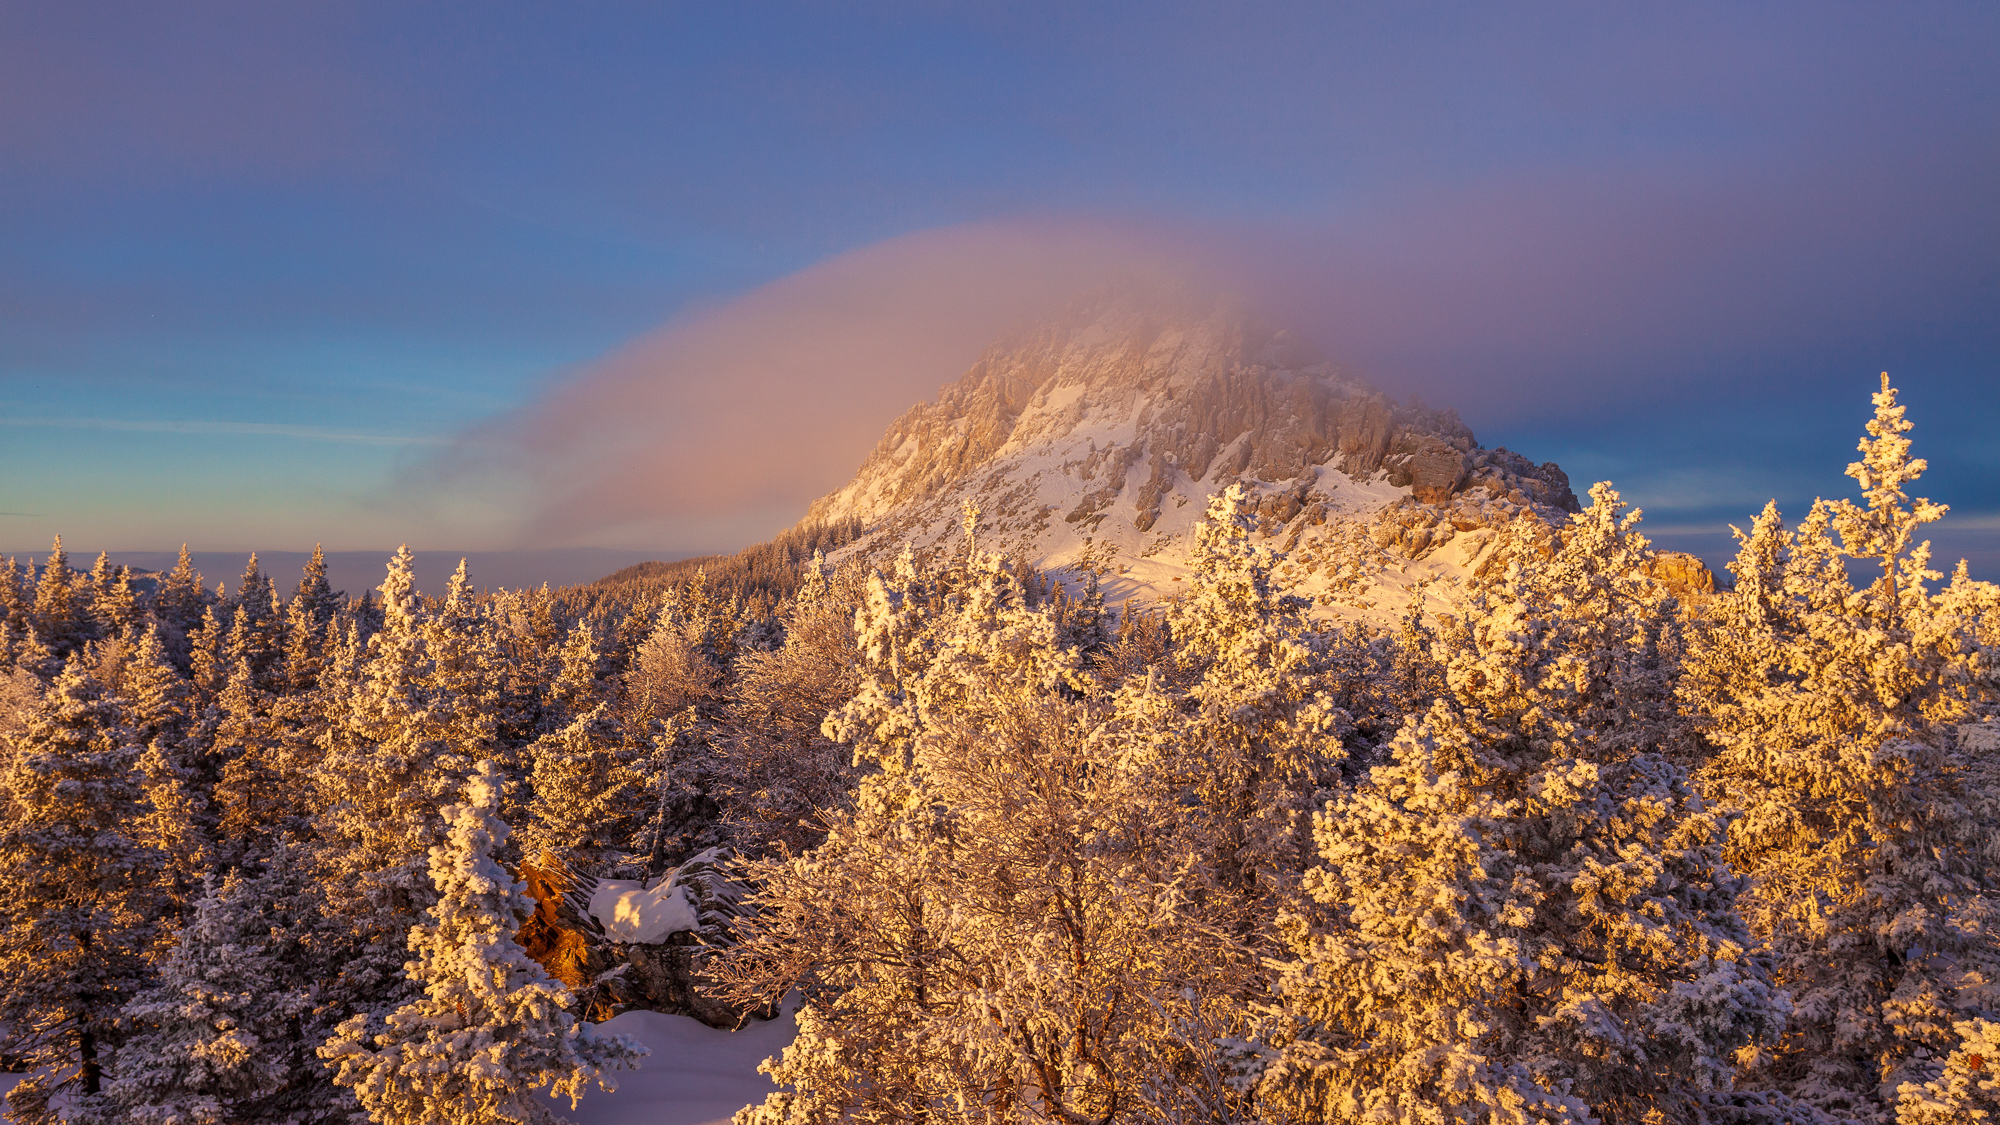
(1560, 845)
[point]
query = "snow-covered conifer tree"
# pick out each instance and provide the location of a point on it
(155, 691)
(17, 597)
(59, 618)
(258, 798)
(178, 605)
(1269, 733)
(585, 790)
(81, 891)
(1524, 915)
(397, 749)
(208, 659)
(216, 1039)
(314, 597)
(779, 766)
(1833, 715)
(576, 688)
(490, 1039)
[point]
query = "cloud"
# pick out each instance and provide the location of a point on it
(723, 426)
(1701, 329)
(224, 429)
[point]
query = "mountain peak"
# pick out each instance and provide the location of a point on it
(1102, 430)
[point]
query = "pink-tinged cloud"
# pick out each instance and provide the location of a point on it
(1540, 300)
(722, 427)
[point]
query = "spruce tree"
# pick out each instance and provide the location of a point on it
(257, 796)
(208, 657)
(155, 691)
(1268, 731)
(17, 598)
(585, 791)
(314, 597)
(407, 716)
(491, 1038)
(576, 688)
(996, 924)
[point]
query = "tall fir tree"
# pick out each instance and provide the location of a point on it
(586, 791)
(210, 1044)
(1270, 733)
(996, 924)
(227, 1033)
(406, 727)
(17, 598)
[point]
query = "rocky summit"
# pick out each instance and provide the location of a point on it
(1095, 439)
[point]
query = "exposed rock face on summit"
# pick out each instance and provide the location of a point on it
(1104, 431)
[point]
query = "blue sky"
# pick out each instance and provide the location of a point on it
(260, 264)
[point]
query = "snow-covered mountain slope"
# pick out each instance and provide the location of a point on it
(1095, 440)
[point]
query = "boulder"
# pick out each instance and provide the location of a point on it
(1429, 466)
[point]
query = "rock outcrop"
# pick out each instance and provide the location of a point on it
(667, 975)
(1682, 574)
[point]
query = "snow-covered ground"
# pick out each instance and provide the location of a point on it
(696, 1075)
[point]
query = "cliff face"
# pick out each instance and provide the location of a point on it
(1102, 433)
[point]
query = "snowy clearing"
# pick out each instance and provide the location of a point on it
(696, 1074)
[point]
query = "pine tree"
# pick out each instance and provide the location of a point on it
(256, 626)
(258, 800)
(115, 607)
(81, 893)
(1885, 529)
(36, 658)
(398, 745)
(108, 603)
(307, 619)
(314, 597)
(492, 1030)
(1269, 731)
(576, 688)
(780, 768)
(155, 691)
(16, 598)
(208, 658)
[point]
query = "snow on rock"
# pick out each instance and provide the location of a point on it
(696, 1074)
(632, 912)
